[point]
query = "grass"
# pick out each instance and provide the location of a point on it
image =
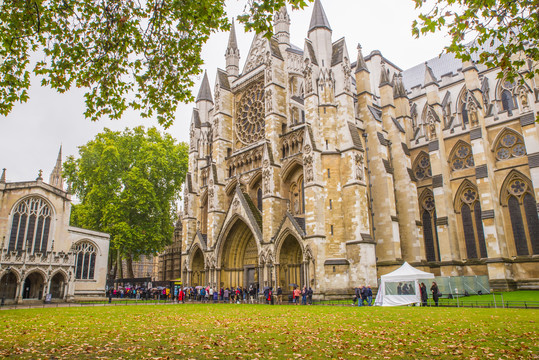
(229, 331)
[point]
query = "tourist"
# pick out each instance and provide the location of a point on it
(399, 289)
(424, 294)
(279, 295)
(304, 295)
(310, 296)
(296, 294)
(435, 292)
(269, 299)
(369, 295)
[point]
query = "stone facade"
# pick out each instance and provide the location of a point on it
(170, 259)
(40, 252)
(309, 169)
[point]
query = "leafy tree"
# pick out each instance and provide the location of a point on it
(127, 54)
(128, 184)
(514, 24)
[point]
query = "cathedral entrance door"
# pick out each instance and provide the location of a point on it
(290, 265)
(239, 257)
(197, 267)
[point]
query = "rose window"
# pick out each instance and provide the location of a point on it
(517, 187)
(250, 122)
(469, 196)
(510, 145)
(422, 169)
(462, 157)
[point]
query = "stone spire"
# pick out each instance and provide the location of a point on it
(319, 18)
(429, 76)
(205, 93)
(3, 177)
(398, 87)
(360, 64)
(281, 26)
(232, 54)
(56, 178)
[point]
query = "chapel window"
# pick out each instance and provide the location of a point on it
(85, 254)
(429, 227)
(462, 157)
(510, 145)
(522, 207)
(470, 211)
(30, 226)
(422, 169)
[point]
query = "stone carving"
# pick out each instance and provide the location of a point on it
(431, 126)
(236, 204)
(308, 165)
(266, 174)
(308, 74)
(523, 96)
(250, 122)
(472, 113)
(269, 75)
(217, 97)
(211, 193)
(269, 101)
(359, 167)
(347, 70)
(256, 57)
(307, 149)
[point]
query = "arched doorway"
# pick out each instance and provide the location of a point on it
(197, 269)
(239, 258)
(290, 264)
(8, 286)
(58, 282)
(33, 286)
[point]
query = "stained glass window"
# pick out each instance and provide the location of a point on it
(422, 168)
(510, 145)
(462, 157)
(251, 113)
(30, 225)
(85, 256)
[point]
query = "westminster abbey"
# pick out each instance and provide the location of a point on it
(326, 167)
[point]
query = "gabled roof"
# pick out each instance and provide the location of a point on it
(338, 52)
(222, 78)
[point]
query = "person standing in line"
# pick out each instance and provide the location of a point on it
(369, 295)
(304, 295)
(424, 294)
(295, 294)
(363, 295)
(435, 292)
(356, 291)
(310, 295)
(279, 295)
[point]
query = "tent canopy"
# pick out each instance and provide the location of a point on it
(407, 273)
(401, 287)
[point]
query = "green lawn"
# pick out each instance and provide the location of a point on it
(268, 332)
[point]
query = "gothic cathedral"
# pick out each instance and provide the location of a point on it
(307, 168)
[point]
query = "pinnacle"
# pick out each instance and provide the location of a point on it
(319, 18)
(205, 93)
(429, 75)
(232, 41)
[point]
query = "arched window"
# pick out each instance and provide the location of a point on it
(468, 205)
(507, 102)
(430, 234)
(85, 254)
(518, 198)
(461, 156)
(510, 144)
(30, 226)
(422, 168)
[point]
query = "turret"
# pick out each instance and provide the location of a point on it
(56, 178)
(320, 35)
(232, 54)
(281, 26)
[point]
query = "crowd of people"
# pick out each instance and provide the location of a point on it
(363, 294)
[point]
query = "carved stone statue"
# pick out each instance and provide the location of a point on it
(359, 167)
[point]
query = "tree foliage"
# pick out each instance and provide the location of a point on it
(139, 54)
(128, 184)
(507, 29)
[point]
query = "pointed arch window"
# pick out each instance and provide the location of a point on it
(510, 144)
(30, 226)
(462, 157)
(430, 233)
(85, 255)
(259, 198)
(522, 207)
(422, 169)
(469, 207)
(506, 95)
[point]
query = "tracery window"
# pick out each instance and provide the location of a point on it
(522, 207)
(508, 103)
(430, 234)
(422, 169)
(85, 254)
(470, 211)
(461, 156)
(509, 145)
(251, 113)
(30, 226)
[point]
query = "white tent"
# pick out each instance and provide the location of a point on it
(401, 287)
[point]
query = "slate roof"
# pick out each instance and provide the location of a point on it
(355, 136)
(338, 51)
(319, 18)
(204, 93)
(223, 79)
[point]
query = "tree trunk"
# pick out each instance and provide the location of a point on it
(120, 272)
(129, 266)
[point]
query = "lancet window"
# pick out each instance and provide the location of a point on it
(30, 226)
(468, 205)
(428, 216)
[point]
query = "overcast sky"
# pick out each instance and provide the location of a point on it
(31, 135)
